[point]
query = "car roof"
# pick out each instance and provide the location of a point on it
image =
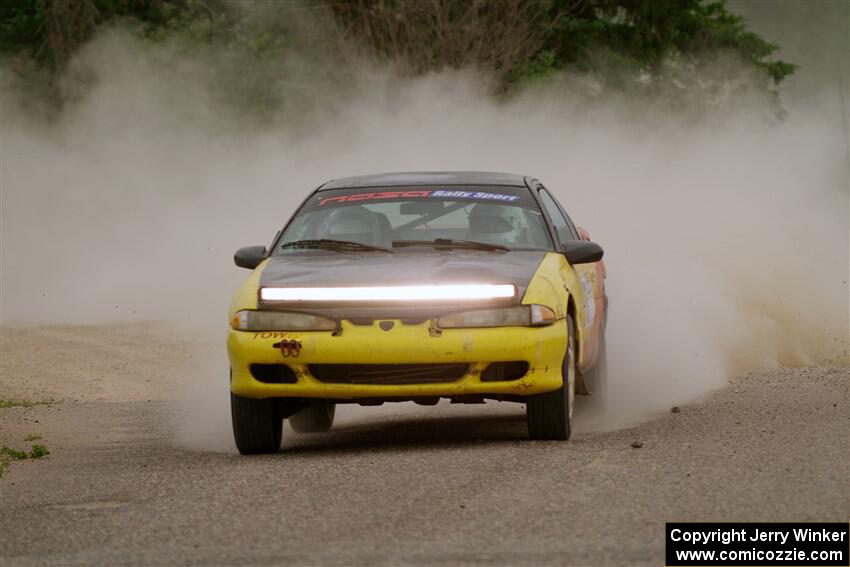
(409, 178)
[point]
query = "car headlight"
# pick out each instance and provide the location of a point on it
(520, 316)
(249, 320)
(447, 292)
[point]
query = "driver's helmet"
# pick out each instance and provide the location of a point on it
(496, 224)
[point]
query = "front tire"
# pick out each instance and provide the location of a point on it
(316, 418)
(550, 415)
(257, 426)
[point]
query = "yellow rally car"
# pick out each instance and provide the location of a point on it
(416, 287)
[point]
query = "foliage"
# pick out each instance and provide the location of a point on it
(522, 40)
(647, 31)
(8, 454)
(24, 403)
(38, 451)
(241, 45)
(499, 35)
(13, 454)
(52, 30)
(646, 44)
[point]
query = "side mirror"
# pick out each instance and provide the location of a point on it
(582, 252)
(249, 256)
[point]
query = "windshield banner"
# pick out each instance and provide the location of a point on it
(416, 194)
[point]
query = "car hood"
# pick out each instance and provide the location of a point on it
(324, 268)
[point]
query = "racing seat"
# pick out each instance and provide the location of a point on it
(486, 224)
(385, 229)
(357, 224)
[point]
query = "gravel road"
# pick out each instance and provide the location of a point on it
(405, 485)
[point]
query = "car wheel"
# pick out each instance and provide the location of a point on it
(316, 418)
(550, 415)
(596, 379)
(257, 426)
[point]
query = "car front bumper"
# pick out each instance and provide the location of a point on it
(542, 348)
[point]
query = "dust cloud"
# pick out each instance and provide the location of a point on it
(726, 234)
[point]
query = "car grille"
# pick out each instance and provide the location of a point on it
(504, 371)
(273, 373)
(387, 374)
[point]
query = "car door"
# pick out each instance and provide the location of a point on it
(588, 297)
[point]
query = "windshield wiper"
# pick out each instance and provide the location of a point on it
(450, 243)
(334, 245)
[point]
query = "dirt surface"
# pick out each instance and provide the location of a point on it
(394, 485)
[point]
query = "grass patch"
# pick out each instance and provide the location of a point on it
(38, 451)
(14, 454)
(8, 454)
(32, 437)
(24, 403)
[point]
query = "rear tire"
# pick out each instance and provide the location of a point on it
(550, 415)
(316, 418)
(257, 426)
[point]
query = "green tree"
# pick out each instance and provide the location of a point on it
(632, 44)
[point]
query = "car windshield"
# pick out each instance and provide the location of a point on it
(406, 217)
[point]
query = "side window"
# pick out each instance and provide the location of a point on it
(561, 224)
(573, 229)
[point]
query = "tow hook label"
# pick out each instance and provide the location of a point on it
(291, 348)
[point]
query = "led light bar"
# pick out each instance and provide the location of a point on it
(390, 293)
